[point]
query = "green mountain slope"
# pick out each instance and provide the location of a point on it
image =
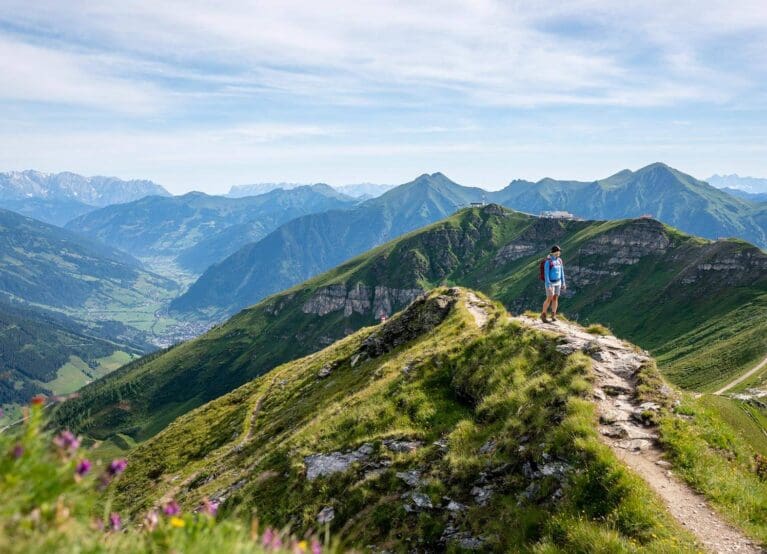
(309, 245)
(191, 226)
(37, 349)
(50, 267)
(670, 195)
(427, 433)
(651, 283)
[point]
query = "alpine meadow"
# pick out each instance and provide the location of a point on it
(224, 327)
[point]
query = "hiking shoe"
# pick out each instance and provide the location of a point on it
(543, 318)
(554, 317)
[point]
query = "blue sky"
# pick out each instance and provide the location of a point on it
(203, 95)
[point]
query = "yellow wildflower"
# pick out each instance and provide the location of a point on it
(177, 522)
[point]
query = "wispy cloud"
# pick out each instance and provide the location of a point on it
(344, 75)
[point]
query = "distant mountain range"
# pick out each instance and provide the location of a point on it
(361, 190)
(745, 195)
(665, 290)
(749, 184)
(311, 244)
(658, 190)
(200, 229)
(58, 197)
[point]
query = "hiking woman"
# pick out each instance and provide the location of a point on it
(554, 281)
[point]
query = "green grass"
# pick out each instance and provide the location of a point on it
(702, 335)
(76, 373)
(711, 442)
(598, 329)
(47, 507)
(467, 387)
(748, 421)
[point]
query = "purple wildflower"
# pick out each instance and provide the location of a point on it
(83, 467)
(2, 413)
(115, 522)
(17, 451)
(171, 508)
(67, 441)
(208, 507)
(271, 539)
(316, 547)
(117, 467)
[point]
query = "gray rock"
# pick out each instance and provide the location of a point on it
(488, 447)
(319, 465)
(412, 477)
(453, 506)
(418, 502)
(557, 469)
(421, 501)
(441, 444)
(482, 494)
(403, 446)
(326, 515)
(325, 371)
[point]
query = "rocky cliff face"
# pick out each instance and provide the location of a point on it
(361, 299)
(727, 265)
(626, 245)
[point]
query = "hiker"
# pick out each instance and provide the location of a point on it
(553, 275)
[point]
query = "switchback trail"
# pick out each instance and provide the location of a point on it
(615, 364)
(743, 377)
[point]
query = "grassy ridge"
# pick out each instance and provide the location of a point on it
(648, 282)
(504, 402)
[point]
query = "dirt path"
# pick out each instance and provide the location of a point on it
(743, 377)
(615, 364)
(477, 308)
(247, 435)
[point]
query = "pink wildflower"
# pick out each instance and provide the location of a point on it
(115, 522)
(83, 467)
(67, 441)
(208, 507)
(117, 467)
(17, 451)
(171, 508)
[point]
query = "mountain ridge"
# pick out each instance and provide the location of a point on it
(641, 290)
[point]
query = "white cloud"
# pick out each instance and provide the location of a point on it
(494, 52)
(31, 73)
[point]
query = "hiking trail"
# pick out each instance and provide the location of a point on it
(477, 308)
(743, 377)
(615, 364)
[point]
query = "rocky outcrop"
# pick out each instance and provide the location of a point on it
(361, 299)
(732, 267)
(423, 315)
(321, 465)
(514, 251)
(627, 244)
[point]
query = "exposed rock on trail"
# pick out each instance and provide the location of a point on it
(477, 308)
(621, 424)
